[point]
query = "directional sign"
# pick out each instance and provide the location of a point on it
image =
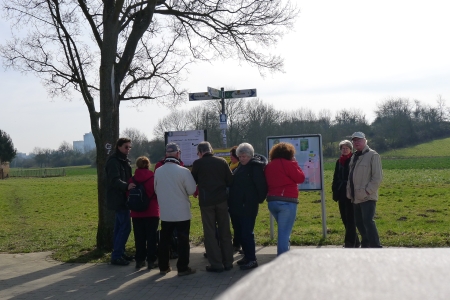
(240, 94)
(214, 92)
(200, 96)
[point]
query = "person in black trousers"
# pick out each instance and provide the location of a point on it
(339, 187)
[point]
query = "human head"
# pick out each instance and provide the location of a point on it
(123, 145)
(282, 150)
(142, 162)
(346, 147)
(204, 147)
(245, 152)
(359, 140)
(172, 150)
(233, 157)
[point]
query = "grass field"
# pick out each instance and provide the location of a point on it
(60, 214)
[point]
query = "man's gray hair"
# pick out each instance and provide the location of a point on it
(204, 147)
(245, 148)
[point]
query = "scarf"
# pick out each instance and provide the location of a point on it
(233, 166)
(344, 158)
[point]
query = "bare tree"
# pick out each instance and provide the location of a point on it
(114, 51)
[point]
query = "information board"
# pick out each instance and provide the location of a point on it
(308, 153)
(188, 141)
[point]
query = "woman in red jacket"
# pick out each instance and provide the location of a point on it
(283, 175)
(145, 223)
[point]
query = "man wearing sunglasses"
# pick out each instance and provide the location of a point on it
(118, 172)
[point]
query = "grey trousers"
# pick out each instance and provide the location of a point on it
(218, 249)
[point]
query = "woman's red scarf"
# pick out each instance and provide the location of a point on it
(344, 158)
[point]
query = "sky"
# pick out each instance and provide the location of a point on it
(341, 54)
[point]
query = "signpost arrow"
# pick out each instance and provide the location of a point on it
(200, 96)
(240, 94)
(214, 92)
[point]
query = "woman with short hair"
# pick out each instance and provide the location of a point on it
(145, 223)
(339, 186)
(283, 174)
(248, 190)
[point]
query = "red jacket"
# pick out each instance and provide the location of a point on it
(141, 175)
(282, 177)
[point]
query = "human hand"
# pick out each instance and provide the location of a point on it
(131, 185)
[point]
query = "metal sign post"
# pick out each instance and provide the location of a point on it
(215, 94)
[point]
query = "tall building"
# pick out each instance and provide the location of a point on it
(89, 142)
(78, 146)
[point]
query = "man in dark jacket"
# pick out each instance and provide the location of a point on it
(118, 172)
(213, 175)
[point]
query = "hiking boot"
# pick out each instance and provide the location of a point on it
(211, 269)
(188, 271)
(250, 265)
(242, 261)
(164, 272)
(128, 258)
(228, 268)
(152, 265)
(140, 264)
(120, 262)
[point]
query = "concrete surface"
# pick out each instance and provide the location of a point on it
(303, 273)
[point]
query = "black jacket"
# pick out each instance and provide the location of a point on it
(340, 178)
(249, 188)
(213, 175)
(118, 172)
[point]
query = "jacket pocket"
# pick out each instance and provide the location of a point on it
(360, 194)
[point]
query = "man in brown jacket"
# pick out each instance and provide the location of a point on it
(362, 188)
(213, 175)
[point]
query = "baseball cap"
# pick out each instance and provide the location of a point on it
(359, 135)
(172, 147)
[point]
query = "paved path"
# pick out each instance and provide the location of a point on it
(37, 276)
(303, 273)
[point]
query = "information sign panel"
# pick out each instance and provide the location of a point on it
(188, 141)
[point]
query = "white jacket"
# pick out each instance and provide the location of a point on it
(173, 185)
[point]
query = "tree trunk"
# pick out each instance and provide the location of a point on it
(109, 123)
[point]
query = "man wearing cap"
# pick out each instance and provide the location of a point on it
(362, 188)
(173, 185)
(213, 175)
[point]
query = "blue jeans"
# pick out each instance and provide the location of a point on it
(364, 214)
(284, 213)
(247, 224)
(122, 229)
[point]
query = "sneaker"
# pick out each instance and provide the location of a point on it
(250, 265)
(140, 264)
(211, 269)
(164, 272)
(128, 258)
(120, 262)
(188, 271)
(242, 261)
(152, 265)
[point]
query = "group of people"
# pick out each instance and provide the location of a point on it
(231, 192)
(226, 192)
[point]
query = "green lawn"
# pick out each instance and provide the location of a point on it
(60, 214)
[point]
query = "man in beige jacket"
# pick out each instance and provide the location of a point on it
(362, 188)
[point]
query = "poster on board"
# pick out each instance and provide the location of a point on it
(188, 141)
(308, 153)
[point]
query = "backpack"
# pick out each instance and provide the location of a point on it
(137, 198)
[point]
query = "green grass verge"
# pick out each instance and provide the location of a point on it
(60, 214)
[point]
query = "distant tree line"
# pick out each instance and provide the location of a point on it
(398, 123)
